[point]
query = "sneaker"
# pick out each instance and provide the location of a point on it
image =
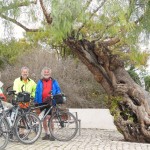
(46, 137)
(11, 136)
(21, 135)
(51, 138)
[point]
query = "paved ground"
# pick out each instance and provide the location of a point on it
(90, 139)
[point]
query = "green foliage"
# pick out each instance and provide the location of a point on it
(11, 50)
(134, 75)
(141, 73)
(145, 21)
(11, 8)
(138, 58)
(113, 105)
(64, 14)
(118, 108)
(147, 83)
(77, 19)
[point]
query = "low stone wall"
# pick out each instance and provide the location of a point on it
(95, 118)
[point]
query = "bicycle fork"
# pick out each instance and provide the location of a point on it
(60, 119)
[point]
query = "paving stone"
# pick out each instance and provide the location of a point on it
(90, 139)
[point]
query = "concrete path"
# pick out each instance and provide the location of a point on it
(90, 139)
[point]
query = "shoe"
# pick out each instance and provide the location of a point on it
(11, 136)
(46, 137)
(21, 135)
(51, 138)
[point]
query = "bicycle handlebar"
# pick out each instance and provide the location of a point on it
(17, 95)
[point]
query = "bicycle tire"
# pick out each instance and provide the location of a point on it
(12, 136)
(4, 133)
(31, 124)
(63, 130)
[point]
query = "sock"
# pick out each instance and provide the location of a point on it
(47, 133)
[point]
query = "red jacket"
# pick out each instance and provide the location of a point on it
(2, 95)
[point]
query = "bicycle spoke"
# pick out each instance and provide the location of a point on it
(64, 126)
(29, 128)
(3, 134)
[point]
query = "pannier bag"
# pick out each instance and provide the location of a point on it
(23, 97)
(60, 98)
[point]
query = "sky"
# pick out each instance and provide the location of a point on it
(17, 32)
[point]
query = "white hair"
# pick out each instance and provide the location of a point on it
(45, 68)
(26, 68)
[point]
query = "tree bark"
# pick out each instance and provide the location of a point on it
(127, 101)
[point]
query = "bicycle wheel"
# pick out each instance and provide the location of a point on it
(63, 126)
(4, 132)
(28, 128)
(12, 136)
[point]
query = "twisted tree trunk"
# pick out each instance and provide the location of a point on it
(127, 101)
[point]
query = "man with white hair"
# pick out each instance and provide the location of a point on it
(29, 84)
(44, 86)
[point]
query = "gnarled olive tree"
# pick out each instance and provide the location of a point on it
(104, 35)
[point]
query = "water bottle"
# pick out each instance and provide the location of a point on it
(12, 115)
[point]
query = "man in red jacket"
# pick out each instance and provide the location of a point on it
(44, 86)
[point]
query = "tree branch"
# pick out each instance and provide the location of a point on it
(87, 4)
(47, 16)
(81, 49)
(91, 15)
(139, 19)
(18, 23)
(13, 5)
(111, 41)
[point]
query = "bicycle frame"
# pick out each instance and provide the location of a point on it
(1, 118)
(5, 114)
(57, 123)
(51, 108)
(42, 119)
(20, 123)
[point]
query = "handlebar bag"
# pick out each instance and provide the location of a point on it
(23, 97)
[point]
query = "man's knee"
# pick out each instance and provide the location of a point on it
(6, 104)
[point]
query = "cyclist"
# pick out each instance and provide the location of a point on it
(42, 94)
(6, 104)
(1, 91)
(29, 84)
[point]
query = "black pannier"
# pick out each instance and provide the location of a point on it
(23, 97)
(60, 98)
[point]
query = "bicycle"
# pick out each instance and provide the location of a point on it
(62, 124)
(3, 127)
(24, 125)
